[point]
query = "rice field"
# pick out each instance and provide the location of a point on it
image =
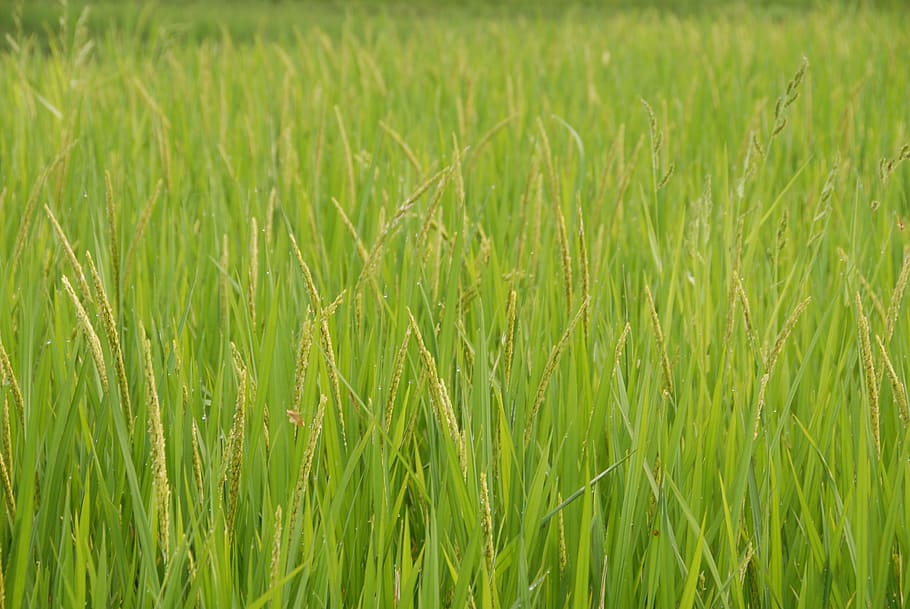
(434, 306)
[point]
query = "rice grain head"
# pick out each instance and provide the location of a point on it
(70, 256)
(489, 549)
(303, 359)
(897, 388)
(550, 367)
(140, 228)
(7, 431)
(113, 232)
(563, 550)
(869, 372)
(440, 396)
(113, 338)
(397, 370)
(253, 273)
(197, 464)
(156, 435)
(398, 139)
(235, 458)
(747, 317)
(7, 487)
(10, 378)
(276, 551)
(897, 297)
(511, 314)
(308, 456)
(661, 343)
(585, 273)
(782, 336)
(89, 331)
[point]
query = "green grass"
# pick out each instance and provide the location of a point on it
(543, 159)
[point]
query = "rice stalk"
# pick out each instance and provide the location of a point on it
(361, 248)
(661, 343)
(303, 360)
(253, 273)
(897, 388)
(28, 213)
(70, 256)
(781, 340)
(553, 188)
(887, 166)
(585, 273)
(275, 563)
(617, 355)
(732, 295)
(747, 317)
(458, 179)
(612, 157)
(10, 378)
(550, 367)
(325, 335)
(308, 455)
(529, 193)
(392, 225)
(348, 157)
(552, 180)
(787, 99)
(430, 214)
(235, 458)
(625, 180)
(113, 232)
(2, 580)
(113, 339)
(140, 230)
(397, 370)
(225, 291)
(869, 372)
(773, 356)
(270, 217)
(7, 431)
(86, 325)
(445, 413)
(897, 297)
(486, 137)
(310, 285)
(563, 550)
(7, 488)
(156, 437)
(620, 346)
(511, 314)
(867, 287)
(656, 137)
(197, 464)
(489, 549)
(398, 139)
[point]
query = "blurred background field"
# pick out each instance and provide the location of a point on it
(488, 305)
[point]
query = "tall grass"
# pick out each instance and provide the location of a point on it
(398, 310)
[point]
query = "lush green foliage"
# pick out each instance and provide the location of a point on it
(690, 176)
